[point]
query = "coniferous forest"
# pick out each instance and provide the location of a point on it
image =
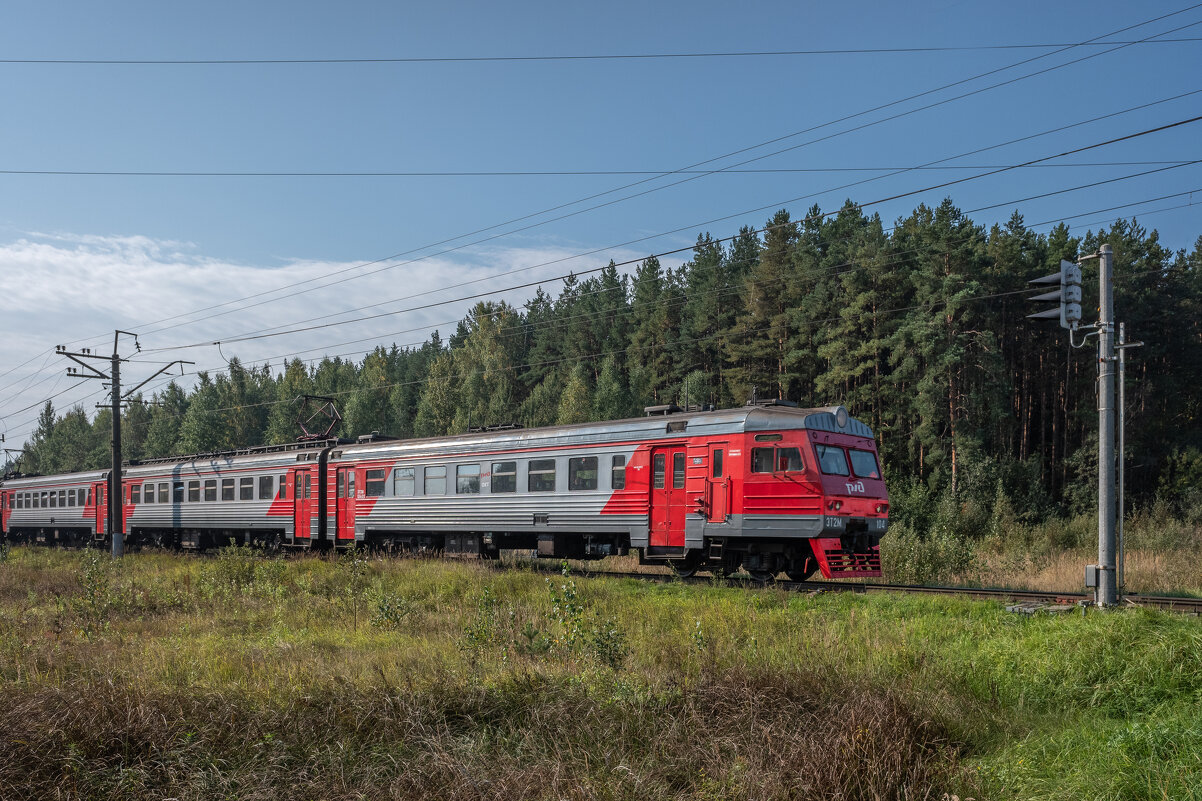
(918, 329)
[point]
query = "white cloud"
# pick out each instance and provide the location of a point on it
(76, 289)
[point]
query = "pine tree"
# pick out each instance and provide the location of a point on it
(611, 400)
(166, 418)
(369, 407)
(647, 354)
(575, 404)
(281, 416)
(436, 409)
(757, 342)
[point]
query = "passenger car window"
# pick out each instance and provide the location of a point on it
(402, 481)
(467, 479)
(135, 495)
(210, 489)
(282, 486)
(582, 473)
(436, 481)
(832, 460)
(194, 491)
(541, 475)
(164, 494)
(266, 489)
(504, 477)
(618, 470)
(863, 464)
(373, 483)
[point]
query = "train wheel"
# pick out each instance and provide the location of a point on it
(761, 576)
(682, 569)
(687, 567)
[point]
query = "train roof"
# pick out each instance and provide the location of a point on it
(834, 419)
(670, 426)
(27, 481)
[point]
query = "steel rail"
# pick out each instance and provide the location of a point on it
(1183, 604)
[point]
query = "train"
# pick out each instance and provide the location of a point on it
(766, 488)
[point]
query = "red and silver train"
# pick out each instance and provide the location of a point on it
(768, 488)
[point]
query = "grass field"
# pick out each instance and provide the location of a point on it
(166, 676)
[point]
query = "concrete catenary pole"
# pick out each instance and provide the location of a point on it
(116, 518)
(1106, 593)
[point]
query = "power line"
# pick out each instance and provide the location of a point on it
(1092, 41)
(544, 173)
(17, 427)
(690, 166)
(696, 225)
(588, 57)
(945, 184)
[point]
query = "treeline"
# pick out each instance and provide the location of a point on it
(919, 330)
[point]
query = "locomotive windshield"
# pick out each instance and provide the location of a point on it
(832, 460)
(863, 464)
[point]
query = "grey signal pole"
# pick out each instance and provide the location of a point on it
(1106, 593)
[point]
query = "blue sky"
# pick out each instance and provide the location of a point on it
(91, 253)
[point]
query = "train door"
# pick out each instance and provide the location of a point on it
(667, 497)
(99, 494)
(302, 499)
(6, 498)
(717, 485)
(345, 506)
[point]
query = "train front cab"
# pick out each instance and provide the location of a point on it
(793, 500)
(855, 506)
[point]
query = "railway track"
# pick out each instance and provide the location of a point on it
(1184, 605)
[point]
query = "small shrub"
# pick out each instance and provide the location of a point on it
(608, 643)
(483, 628)
(531, 641)
(567, 611)
(230, 572)
(908, 557)
(352, 565)
(94, 602)
(390, 612)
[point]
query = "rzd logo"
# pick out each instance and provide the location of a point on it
(856, 487)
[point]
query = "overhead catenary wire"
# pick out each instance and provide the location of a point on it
(707, 161)
(267, 301)
(896, 196)
(574, 57)
(969, 211)
(551, 173)
(18, 426)
(1094, 40)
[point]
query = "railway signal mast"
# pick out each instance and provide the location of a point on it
(1104, 576)
(116, 520)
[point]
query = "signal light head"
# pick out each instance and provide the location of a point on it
(1068, 295)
